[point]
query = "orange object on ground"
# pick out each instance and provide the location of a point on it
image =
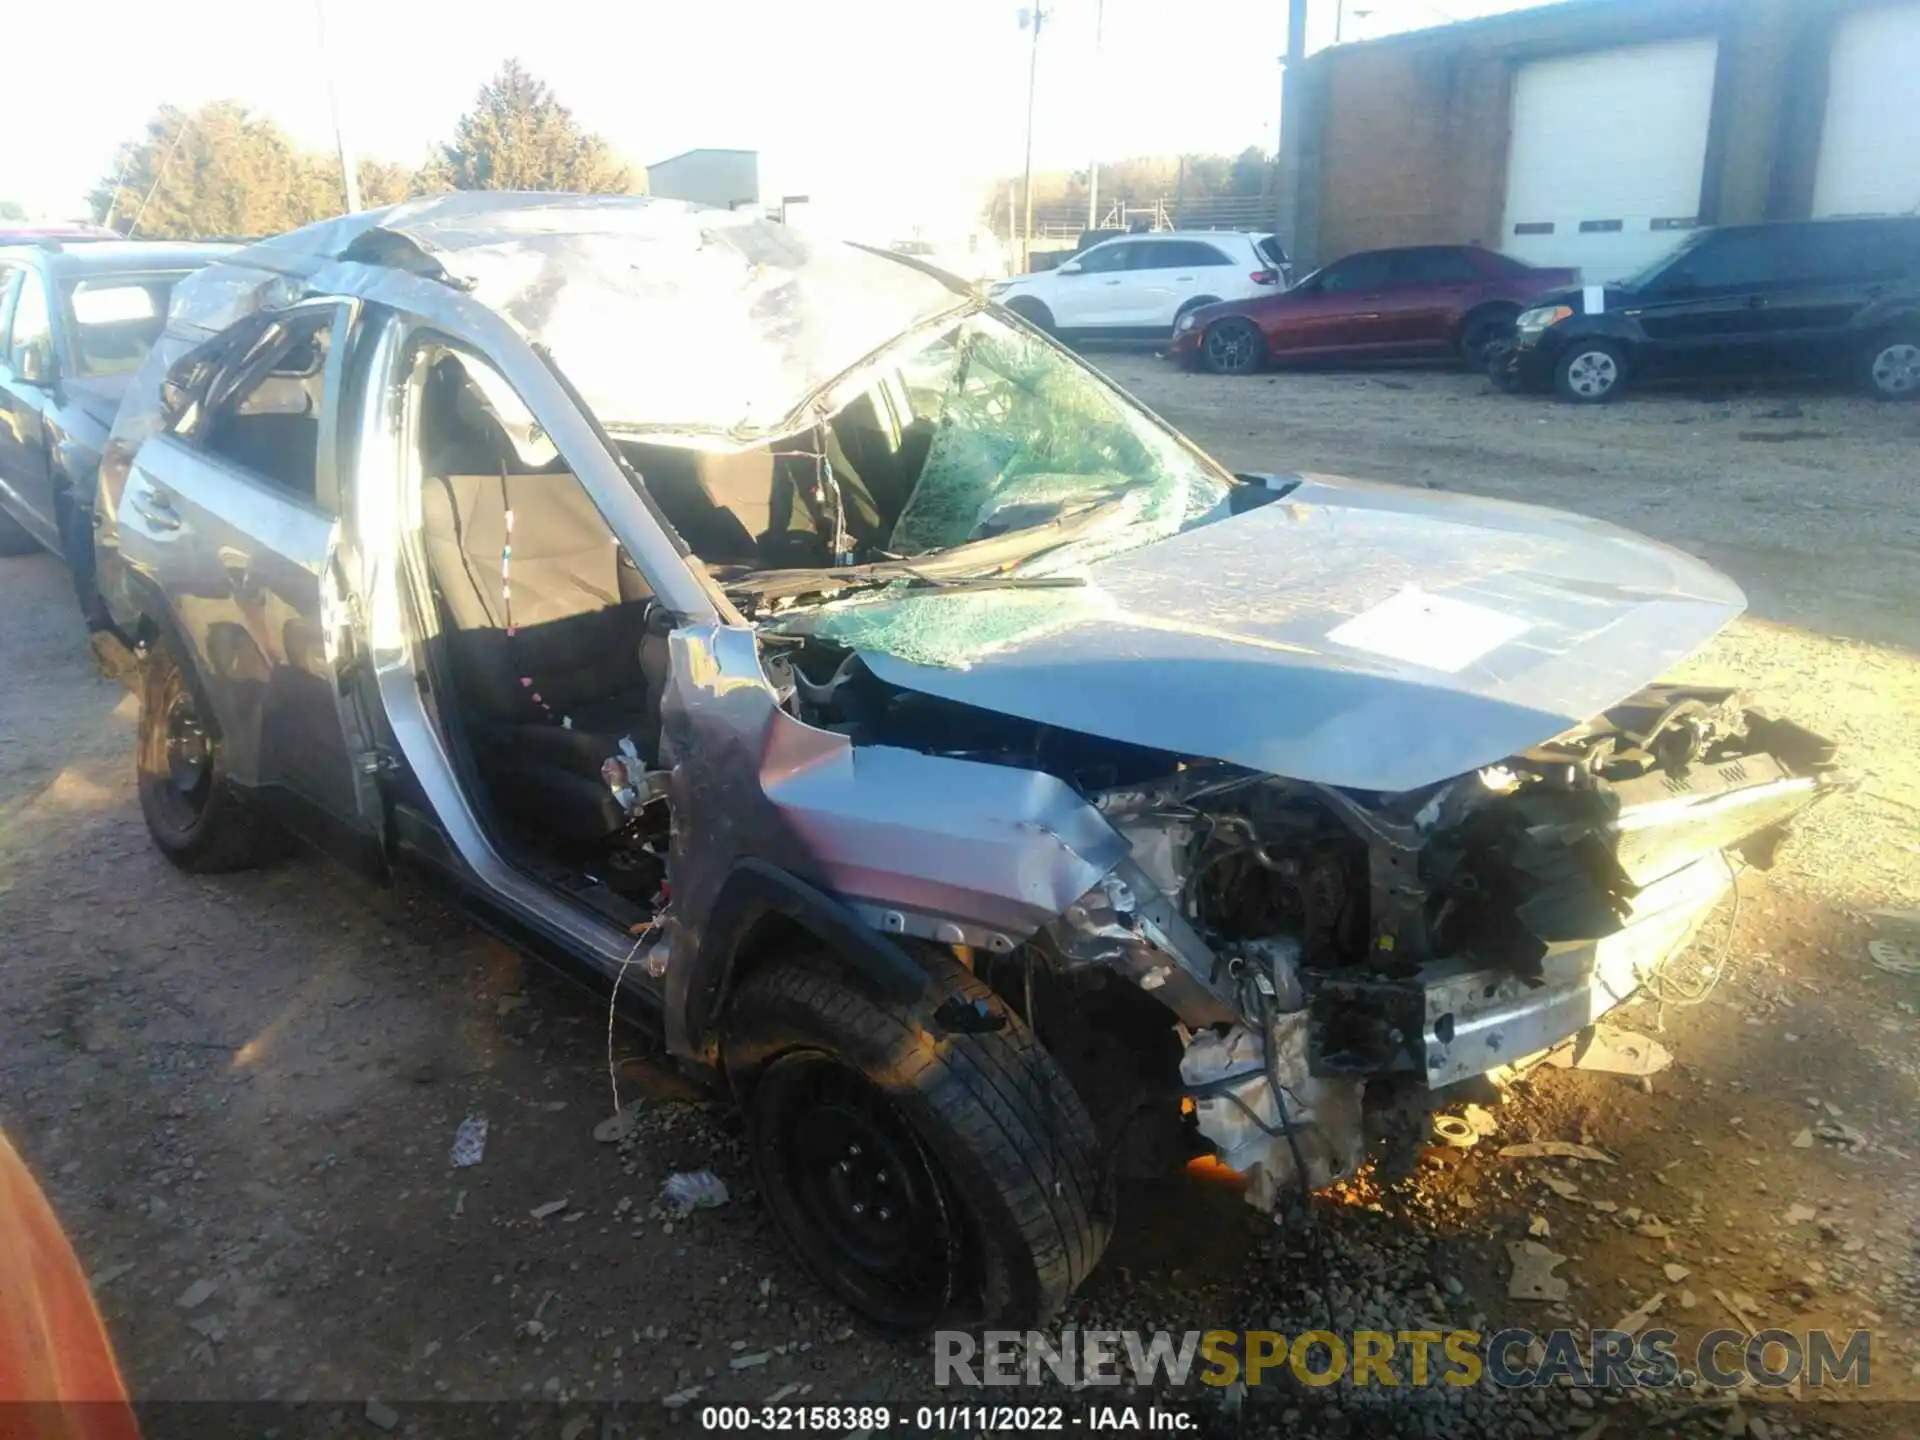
(58, 1379)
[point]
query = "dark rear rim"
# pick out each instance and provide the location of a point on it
(856, 1190)
(1896, 369)
(1233, 347)
(184, 777)
(1482, 334)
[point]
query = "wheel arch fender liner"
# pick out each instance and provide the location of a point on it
(756, 892)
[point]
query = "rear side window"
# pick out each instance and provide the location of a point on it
(1177, 255)
(116, 321)
(1842, 251)
(1433, 267)
(262, 412)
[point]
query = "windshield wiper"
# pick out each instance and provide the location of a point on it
(983, 561)
(788, 583)
(988, 582)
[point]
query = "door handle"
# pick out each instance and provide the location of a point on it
(1756, 302)
(156, 509)
(1110, 282)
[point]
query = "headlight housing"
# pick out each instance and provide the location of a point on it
(1532, 322)
(1183, 324)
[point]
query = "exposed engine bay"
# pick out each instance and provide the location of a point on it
(1325, 954)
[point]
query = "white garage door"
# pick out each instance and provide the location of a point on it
(1870, 143)
(1608, 147)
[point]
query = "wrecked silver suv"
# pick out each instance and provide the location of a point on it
(995, 795)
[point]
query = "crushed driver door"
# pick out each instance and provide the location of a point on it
(231, 516)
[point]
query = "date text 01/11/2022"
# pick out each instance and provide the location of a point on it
(957, 1419)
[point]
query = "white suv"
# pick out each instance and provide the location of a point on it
(1137, 286)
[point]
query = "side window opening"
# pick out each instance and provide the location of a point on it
(116, 322)
(262, 413)
(30, 338)
(1356, 272)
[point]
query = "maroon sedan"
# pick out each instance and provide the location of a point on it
(1416, 303)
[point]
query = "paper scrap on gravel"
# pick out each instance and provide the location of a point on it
(469, 1142)
(1554, 1149)
(1533, 1267)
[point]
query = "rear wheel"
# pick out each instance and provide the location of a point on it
(190, 810)
(1592, 372)
(1891, 368)
(1483, 330)
(925, 1172)
(76, 542)
(1034, 312)
(1233, 346)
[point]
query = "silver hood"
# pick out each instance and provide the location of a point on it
(1358, 635)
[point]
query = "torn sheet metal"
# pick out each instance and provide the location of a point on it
(1232, 621)
(662, 315)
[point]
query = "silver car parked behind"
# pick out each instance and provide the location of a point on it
(1004, 796)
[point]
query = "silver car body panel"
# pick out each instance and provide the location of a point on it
(1479, 1018)
(1222, 641)
(1369, 637)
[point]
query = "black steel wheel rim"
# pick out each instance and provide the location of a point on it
(858, 1191)
(183, 777)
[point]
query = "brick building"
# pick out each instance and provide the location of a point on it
(1585, 133)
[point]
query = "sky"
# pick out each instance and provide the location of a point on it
(874, 107)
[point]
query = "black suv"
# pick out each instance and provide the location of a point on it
(77, 317)
(1830, 297)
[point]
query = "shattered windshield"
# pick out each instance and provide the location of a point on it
(1007, 450)
(1020, 432)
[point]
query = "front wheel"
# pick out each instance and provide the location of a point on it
(192, 814)
(1592, 372)
(926, 1173)
(1034, 312)
(1233, 346)
(1483, 332)
(1892, 367)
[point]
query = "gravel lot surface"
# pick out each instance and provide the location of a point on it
(240, 1092)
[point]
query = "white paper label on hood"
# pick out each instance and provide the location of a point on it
(1432, 631)
(1593, 299)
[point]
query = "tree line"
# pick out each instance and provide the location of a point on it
(221, 170)
(1143, 179)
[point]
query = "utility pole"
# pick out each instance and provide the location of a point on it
(349, 176)
(1093, 166)
(1032, 17)
(1287, 151)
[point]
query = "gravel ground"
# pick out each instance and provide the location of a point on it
(240, 1092)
